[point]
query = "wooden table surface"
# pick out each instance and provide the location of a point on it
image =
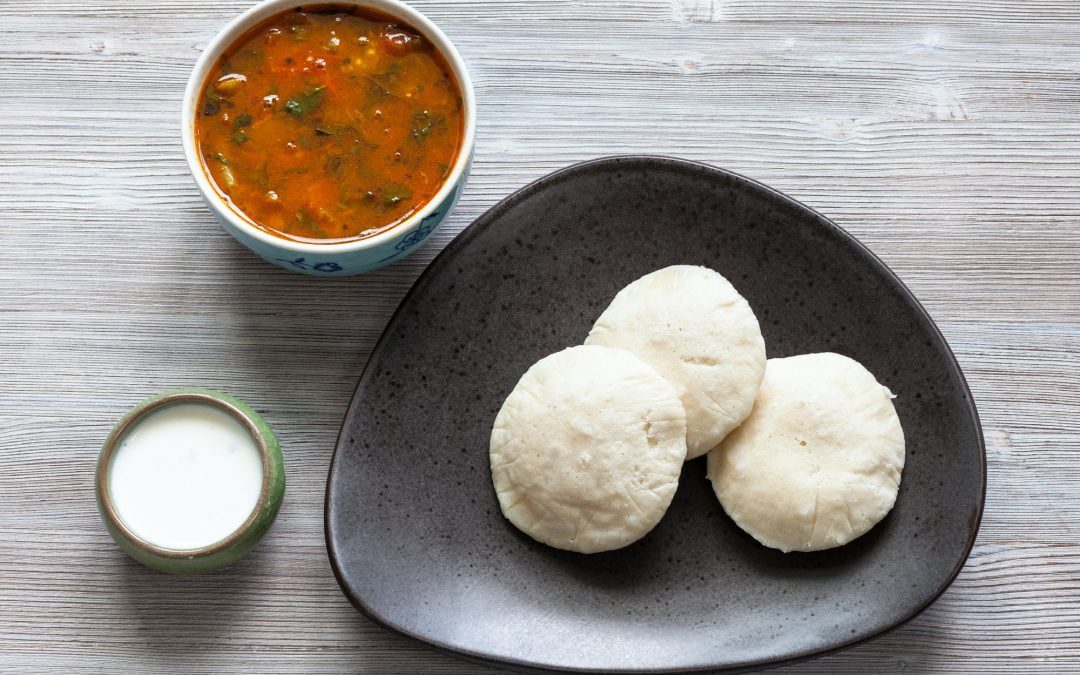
(945, 134)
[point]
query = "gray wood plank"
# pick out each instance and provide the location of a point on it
(944, 134)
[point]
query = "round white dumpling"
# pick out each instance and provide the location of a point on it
(587, 449)
(818, 461)
(693, 327)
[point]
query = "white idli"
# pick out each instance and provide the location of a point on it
(693, 327)
(587, 449)
(818, 461)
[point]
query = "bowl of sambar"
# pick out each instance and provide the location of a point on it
(330, 139)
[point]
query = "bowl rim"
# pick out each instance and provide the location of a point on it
(266, 9)
(155, 404)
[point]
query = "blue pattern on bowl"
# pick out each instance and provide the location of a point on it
(345, 263)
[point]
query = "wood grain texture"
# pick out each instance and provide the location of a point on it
(945, 134)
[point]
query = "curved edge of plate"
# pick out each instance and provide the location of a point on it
(479, 225)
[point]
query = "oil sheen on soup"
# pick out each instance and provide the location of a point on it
(330, 124)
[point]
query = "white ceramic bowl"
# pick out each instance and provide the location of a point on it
(332, 259)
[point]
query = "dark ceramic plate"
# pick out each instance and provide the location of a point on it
(413, 528)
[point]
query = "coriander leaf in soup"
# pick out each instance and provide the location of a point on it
(424, 123)
(262, 176)
(305, 102)
(309, 225)
(394, 194)
(243, 120)
(379, 89)
(382, 83)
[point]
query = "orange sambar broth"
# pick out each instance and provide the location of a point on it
(328, 124)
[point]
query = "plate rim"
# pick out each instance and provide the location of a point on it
(479, 225)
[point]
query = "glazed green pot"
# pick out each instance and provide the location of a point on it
(228, 550)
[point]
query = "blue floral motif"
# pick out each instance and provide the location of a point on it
(300, 264)
(427, 226)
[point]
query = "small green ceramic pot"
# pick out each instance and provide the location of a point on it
(230, 549)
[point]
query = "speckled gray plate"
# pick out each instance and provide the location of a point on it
(413, 528)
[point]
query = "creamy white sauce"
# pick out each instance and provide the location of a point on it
(186, 476)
